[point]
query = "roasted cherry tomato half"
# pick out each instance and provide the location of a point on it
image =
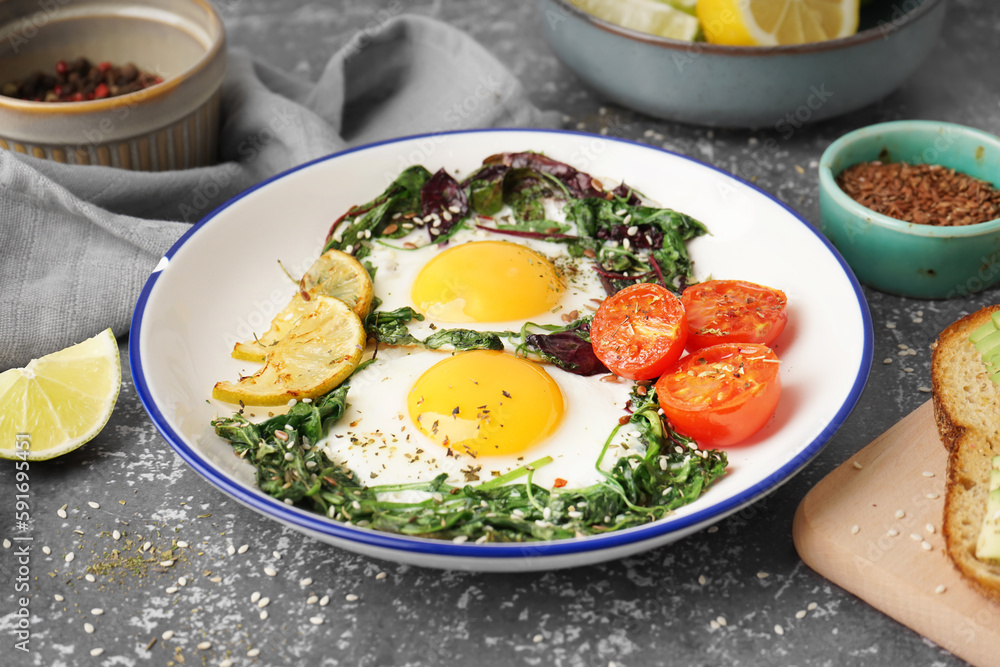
(723, 394)
(639, 331)
(733, 311)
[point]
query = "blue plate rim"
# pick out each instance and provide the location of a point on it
(370, 538)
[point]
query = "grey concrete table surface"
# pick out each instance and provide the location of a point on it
(715, 598)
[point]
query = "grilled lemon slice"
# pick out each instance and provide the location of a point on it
(334, 274)
(317, 354)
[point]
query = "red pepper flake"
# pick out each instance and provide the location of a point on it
(923, 194)
(559, 483)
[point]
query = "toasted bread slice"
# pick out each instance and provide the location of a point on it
(967, 411)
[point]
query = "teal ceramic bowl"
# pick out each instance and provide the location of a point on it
(904, 258)
(779, 87)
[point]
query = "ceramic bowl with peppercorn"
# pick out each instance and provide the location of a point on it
(914, 206)
(133, 84)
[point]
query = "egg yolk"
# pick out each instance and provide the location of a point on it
(486, 281)
(486, 403)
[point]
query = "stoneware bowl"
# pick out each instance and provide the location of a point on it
(905, 258)
(172, 125)
(762, 87)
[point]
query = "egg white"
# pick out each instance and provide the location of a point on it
(377, 439)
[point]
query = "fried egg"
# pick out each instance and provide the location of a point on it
(414, 414)
(484, 282)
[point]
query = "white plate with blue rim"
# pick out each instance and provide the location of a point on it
(222, 280)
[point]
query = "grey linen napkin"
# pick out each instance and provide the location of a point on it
(78, 242)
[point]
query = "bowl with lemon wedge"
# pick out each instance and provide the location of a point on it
(743, 63)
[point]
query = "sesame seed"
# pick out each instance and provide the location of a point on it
(226, 663)
(69, 558)
(713, 529)
(381, 575)
(270, 571)
(58, 597)
(253, 653)
(146, 546)
(289, 456)
(276, 555)
(96, 506)
(96, 651)
(930, 528)
(940, 589)
(263, 615)
(461, 539)
(182, 544)
(887, 361)
(325, 600)
(351, 597)
(454, 209)
(204, 646)
(778, 630)
(243, 549)
(915, 537)
(167, 634)
(316, 620)
(801, 613)
(714, 624)
(857, 464)
(171, 590)
(763, 575)
(182, 581)
(61, 512)
(702, 580)
(721, 620)
(97, 611)
(855, 529)
(89, 577)
(88, 628)
(632, 231)
(312, 599)
(166, 563)
(254, 596)
(900, 514)
(305, 582)
(537, 638)
(926, 546)
(263, 602)
(925, 390)
(231, 550)
(812, 606)
(116, 535)
(933, 496)
(892, 532)
(215, 580)
(927, 473)
(46, 551)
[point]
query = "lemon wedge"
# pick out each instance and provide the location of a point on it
(317, 353)
(60, 401)
(776, 22)
(335, 274)
(674, 19)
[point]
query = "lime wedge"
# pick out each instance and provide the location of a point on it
(673, 18)
(60, 401)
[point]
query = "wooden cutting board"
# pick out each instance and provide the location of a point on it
(844, 529)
